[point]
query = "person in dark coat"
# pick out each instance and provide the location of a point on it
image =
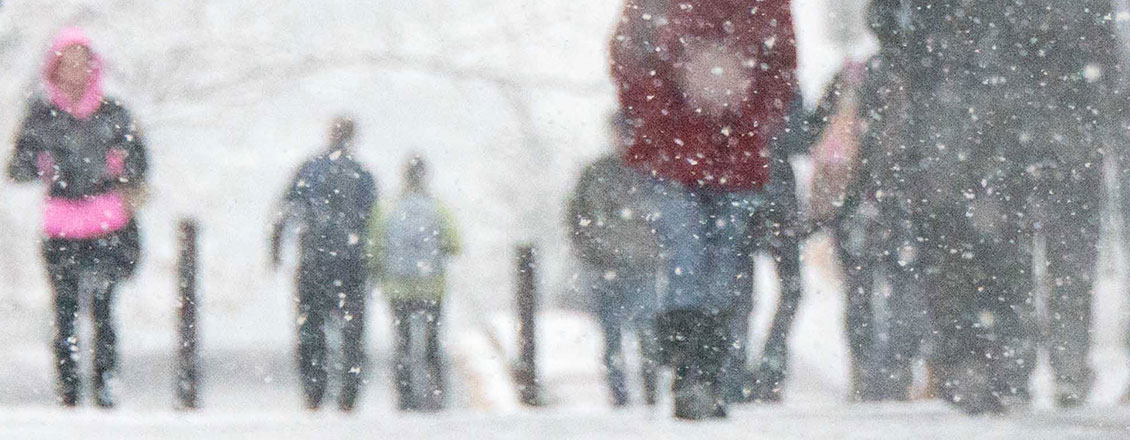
(330, 200)
(87, 150)
(610, 216)
(707, 85)
(1009, 107)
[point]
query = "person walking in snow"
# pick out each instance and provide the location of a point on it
(707, 84)
(1067, 128)
(86, 149)
(872, 227)
(609, 217)
(1010, 106)
(330, 200)
(412, 243)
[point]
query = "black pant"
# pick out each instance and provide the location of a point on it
(93, 266)
(325, 288)
(975, 286)
(883, 341)
(407, 366)
(778, 230)
(1070, 208)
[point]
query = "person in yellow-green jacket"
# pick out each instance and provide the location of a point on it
(412, 242)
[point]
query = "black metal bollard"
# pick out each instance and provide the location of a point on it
(187, 357)
(525, 372)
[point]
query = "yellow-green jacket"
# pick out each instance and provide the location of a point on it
(411, 243)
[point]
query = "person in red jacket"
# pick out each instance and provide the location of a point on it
(707, 85)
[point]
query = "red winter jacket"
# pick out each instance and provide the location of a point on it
(708, 84)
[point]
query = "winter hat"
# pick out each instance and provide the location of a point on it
(91, 99)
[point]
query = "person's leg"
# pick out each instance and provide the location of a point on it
(649, 353)
(353, 340)
(313, 309)
(773, 369)
(64, 280)
(1072, 253)
(608, 293)
(738, 381)
(729, 247)
(640, 312)
(952, 286)
(685, 323)
(858, 316)
(907, 327)
(402, 359)
(433, 354)
(105, 339)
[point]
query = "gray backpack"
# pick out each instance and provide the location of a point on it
(413, 238)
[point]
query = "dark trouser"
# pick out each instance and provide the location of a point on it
(626, 297)
(325, 288)
(884, 337)
(1071, 217)
(975, 288)
(94, 267)
(776, 229)
(773, 366)
(407, 367)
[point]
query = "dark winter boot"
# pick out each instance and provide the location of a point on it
(68, 396)
(770, 375)
(67, 387)
(695, 345)
(405, 393)
(103, 390)
(348, 398)
(967, 387)
(68, 383)
(898, 384)
(1071, 394)
(650, 387)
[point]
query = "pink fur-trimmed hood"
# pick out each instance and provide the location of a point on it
(92, 97)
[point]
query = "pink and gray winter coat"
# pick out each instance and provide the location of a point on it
(88, 153)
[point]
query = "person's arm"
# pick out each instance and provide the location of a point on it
(804, 127)
(367, 205)
(136, 161)
(376, 242)
(579, 216)
(24, 165)
(449, 234)
(288, 208)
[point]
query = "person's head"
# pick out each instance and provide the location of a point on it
(621, 128)
(342, 131)
(74, 69)
(415, 173)
(72, 74)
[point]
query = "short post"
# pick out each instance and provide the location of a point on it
(525, 372)
(187, 357)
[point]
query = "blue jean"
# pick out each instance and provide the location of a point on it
(626, 296)
(706, 236)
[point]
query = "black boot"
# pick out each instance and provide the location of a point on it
(103, 390)
(349, 388)
(695, 344)
(968, 387)
(769, 378)
(650, 387)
